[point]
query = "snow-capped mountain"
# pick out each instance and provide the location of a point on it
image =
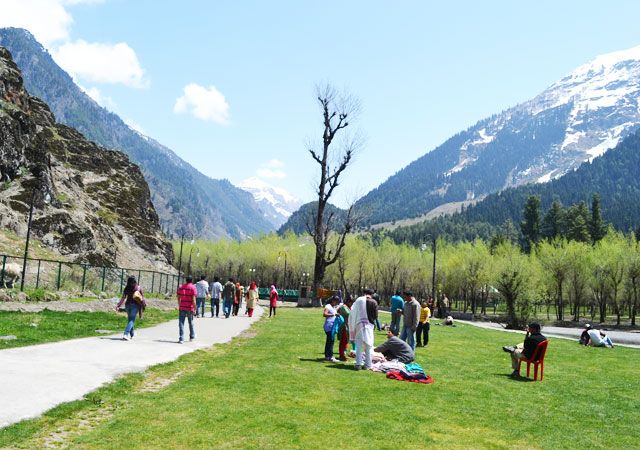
(574, 120)
(276, 203)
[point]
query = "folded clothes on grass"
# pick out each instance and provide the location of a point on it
(388, 366)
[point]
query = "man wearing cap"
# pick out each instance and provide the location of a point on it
(526, 349)
(584, 337)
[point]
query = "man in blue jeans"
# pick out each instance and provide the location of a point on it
(202, 289)
(411, 316)
(187, 306)
(397, 306)
(228, 293)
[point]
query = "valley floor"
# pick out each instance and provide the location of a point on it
(270, 388)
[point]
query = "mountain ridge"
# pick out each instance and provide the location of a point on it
(575, 119)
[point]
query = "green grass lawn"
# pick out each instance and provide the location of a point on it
(49, 326)
(268, 389)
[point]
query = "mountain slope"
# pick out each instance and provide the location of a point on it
(91, 205)
(574, 120)
(185, 199)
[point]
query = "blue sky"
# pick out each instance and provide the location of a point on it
(422, 71)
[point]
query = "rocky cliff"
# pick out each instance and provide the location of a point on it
(91, 204)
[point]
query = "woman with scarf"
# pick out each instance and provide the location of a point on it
(273, 301)
(252, 298)
(134, 305)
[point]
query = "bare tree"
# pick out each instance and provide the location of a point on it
(333, 156)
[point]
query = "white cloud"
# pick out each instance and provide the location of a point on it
(203, 103)
(135, 126)
(50, 22)
(47, 20)
(272, 169)
(266, 172)
(275, 164)
(101, 99)
(101, 63)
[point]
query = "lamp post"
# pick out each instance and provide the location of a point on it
(284, 278)
(26, 245)
(305, 276)
(433, 275)
(252, 273)
(191, 253)
(184, 233)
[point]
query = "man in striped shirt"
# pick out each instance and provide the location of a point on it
(187, 306)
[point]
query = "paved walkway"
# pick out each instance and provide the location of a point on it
(34, 379)
(623, 338)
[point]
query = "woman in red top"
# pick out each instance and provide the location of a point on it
(273, 300)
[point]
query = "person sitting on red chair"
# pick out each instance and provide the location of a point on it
(526, 349)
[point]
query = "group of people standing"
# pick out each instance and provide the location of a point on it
(354, 321)
(192, 299)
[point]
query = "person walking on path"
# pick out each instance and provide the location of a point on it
(344, 310)
(237, 300)
(397, 306)
(273, 300)
(134, 305)
(329, 315)
(202, 288)
(252, 298)
(216, 293)
(361, 319)
(423, 325)
(186, 306)
(228, 293)
(375, 296)
(411, 316)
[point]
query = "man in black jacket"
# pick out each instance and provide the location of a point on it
(531, 341)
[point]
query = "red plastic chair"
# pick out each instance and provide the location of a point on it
(537, 360)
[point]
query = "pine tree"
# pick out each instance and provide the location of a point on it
(552, 224)
(578, 223)
(530, 226)
(597, 227)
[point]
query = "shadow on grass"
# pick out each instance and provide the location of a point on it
(518, 378)
(328, 364)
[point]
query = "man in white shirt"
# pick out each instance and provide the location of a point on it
(202, 290)
(216, 293)
(598, 338)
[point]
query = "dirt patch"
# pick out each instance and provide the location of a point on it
(157, 383)
(76, 425)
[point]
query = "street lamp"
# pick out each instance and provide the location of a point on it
(284, 278)
(184, 233)
(191, 253)
(47, 198)
(305, 275)
(433, 273)
(252, 273)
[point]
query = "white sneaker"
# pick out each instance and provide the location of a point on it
(125, 337)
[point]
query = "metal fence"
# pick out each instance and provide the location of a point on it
(69, 276)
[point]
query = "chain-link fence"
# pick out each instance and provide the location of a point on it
(69, 276)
